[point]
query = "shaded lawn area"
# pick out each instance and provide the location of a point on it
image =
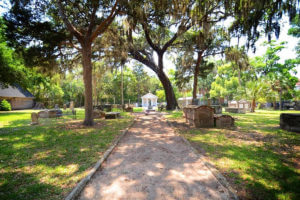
(46, 161)
(260, 160)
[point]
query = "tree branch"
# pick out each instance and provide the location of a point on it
(68, 24)
(104, 24)
(147, 35)
(137, 56)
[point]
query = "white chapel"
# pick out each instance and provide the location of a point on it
(149, 99)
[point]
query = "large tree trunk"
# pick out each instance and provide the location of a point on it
(170, 96)
(169, 92)
(122, 88)
(196, 74)
(88, 86)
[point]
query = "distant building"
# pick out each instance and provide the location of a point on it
(149, 99)
(18, 97)
(298, 85)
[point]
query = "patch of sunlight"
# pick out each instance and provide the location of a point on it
(226, 163)
(21, 145)
(42, 154)
(84, 149)
(40, 138)
(66, 170)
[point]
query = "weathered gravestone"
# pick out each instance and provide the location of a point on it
(235, 110)
(199, 116)
(112, 115)
(71, 105)
(34, 119)
(290, 122)
(129, 109)
(50, 113)
(43, 114)
(65, 106)
(98, 114)
(223, 121)
(56, 107)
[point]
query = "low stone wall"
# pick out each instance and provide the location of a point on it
(290, 122)
(235, 110)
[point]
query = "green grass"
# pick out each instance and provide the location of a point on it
(260, 160)
(46, 161)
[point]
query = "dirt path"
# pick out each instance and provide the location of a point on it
(152, 162)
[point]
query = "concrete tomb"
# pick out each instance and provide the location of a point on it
(290, 122)
(112, 115)
(223, 121)
(199, 116)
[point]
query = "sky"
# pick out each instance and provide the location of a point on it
(286, 53)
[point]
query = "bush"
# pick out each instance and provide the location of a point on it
(5, 105)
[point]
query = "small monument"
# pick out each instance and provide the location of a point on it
(199, 116)
(65, 106)
(223, 121)
(34, 119)
(56, 107)
(290, 122)
(71, 105)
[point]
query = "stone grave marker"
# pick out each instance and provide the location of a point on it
(224, 121)
(65, 106)
(34, 119)
(199, 116)
(72, 105)
(43, 114)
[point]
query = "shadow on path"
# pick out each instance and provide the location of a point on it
(152, 162)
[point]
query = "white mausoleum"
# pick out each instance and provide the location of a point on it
(149, 99)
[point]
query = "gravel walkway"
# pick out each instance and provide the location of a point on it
(152, 162)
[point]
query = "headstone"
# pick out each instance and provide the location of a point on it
(208, 102)
(98, 114)
(112, 115)
(52, 113)
(43, 114)
(73, 113)
(56, 106)
(290, 122)
(129, 109)
(71, 105)
(223, 121)
(235, 110)
(34, 119)
(199, 116)
(65, 106)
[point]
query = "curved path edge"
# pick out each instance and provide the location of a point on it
(79, 187)
(222, 180)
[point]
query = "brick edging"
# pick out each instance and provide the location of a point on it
(210, 166)
(79, 187)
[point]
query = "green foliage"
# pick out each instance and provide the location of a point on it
(295, 31)
(226, 82)
(46, 161)
(255, 167)
(5, 105)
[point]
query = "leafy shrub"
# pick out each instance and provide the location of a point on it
(5, 105)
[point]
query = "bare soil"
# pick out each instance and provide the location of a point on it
(153, 162)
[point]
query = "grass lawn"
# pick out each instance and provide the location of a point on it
(46, 161)
(260, 160)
